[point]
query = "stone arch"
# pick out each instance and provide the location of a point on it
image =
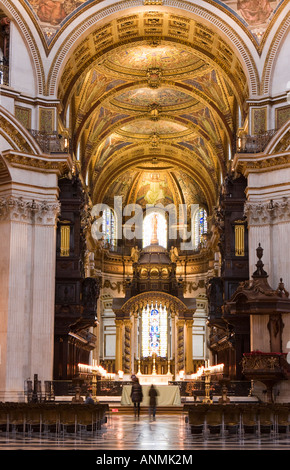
(174, 303)
(16, 135)
(280, 142)
(273, 52)
(233, 37)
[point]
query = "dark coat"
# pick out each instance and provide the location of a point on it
(136, 393)
(152, 396)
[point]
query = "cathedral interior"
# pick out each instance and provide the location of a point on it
(144, 202)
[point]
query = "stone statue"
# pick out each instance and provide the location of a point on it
(154, 239)
(135, 254)
(174, 254)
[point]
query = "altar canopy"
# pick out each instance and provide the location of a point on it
(168, 395)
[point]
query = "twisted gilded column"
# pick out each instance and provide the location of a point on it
(119, 345)
(180, 345)
(127, 363)
(188, 347)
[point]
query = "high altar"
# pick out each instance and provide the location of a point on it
(154, 318)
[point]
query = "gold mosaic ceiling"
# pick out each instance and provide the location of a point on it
(153, 97)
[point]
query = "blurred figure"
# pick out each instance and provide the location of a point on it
(89, 399)
(136, 395)
(153, 393)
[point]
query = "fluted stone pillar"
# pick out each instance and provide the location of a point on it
(28, 213)
(269, 225)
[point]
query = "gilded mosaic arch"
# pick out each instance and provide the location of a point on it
(197, 172)
(148, 144)
(135, 304)
(229, 67)
(108, 42)
(83, 117)
(54, 16)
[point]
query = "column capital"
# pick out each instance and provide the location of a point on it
(18, 209)
(268, 212)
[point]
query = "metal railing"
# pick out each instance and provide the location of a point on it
(254, 143)
(4, 74)
(51, 142)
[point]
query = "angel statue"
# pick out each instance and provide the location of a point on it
(174, 254)
(135, 254)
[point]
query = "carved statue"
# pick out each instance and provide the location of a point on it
(174, 254)
(135, 254)
(90, 294)
(154, 239)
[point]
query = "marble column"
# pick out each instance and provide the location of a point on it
(27, 294)
(269, 224)
(28, 213)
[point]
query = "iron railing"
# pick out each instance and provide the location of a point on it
(4, 74)
(51, 142)
(254, 143)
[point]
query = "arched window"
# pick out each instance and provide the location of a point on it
(155, 229)
(199, 226)
(154, 330)
(109, 226)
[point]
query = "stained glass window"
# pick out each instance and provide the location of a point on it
(200, 226)
(154, 330)
(109, 226)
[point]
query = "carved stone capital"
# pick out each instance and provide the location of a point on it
(267, 213)
(16, 209)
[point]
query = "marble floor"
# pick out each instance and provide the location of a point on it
(123, 432)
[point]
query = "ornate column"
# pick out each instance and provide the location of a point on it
(119, 345)
(269, 224)
(127, 362)
(27, 298)
(28, 212)
(188, 347)
(180, 346)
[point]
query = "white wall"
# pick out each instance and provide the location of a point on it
(22, 72)
(281, 69)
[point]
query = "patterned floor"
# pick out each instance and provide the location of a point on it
(124, 432)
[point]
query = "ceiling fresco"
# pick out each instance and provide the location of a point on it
(152, 109)
(147, 127)
(53, 15)
(171, 58)
(163, 96)
(153, 100)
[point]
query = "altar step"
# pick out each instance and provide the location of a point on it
(144, 410)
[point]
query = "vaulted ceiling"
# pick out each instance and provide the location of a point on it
(153, 100)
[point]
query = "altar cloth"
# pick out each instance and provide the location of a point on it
(168, 395)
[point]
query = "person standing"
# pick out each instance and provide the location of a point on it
(136, 396)
(89, 399)
(153, 393)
